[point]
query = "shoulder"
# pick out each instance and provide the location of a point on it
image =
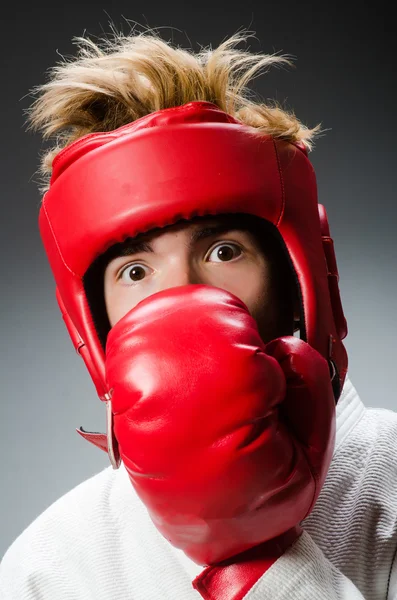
(66, 532)
(375, 443)
(360, 490)
(362, 428)
(354, 521)
(366, 452)
(77, 505)
(374, 436)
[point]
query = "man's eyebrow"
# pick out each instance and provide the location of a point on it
(136, 247)
(132, 247)
(210, 230)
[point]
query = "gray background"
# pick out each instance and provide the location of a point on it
(344, 78)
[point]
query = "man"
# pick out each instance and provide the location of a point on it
(183, 230)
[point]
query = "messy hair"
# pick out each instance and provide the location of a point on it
(124, 77)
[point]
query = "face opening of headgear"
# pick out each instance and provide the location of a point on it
(280, 301)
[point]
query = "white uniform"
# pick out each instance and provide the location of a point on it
(98, 543)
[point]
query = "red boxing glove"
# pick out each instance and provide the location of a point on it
(226, 441)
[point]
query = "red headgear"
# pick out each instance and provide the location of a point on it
(179, 163)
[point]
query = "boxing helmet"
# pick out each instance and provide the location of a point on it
(179, 163)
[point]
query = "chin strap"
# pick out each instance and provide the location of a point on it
(233, 578)
(94, 437)
(106, 442)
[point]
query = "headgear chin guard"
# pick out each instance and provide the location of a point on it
(180, 163)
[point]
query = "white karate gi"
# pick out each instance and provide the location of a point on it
(98, 543)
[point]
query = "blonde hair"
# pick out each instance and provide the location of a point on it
(119, 80)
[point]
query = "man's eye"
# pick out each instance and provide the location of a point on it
(133, 273)
(224, 252)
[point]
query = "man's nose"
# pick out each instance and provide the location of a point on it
(179, 273)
